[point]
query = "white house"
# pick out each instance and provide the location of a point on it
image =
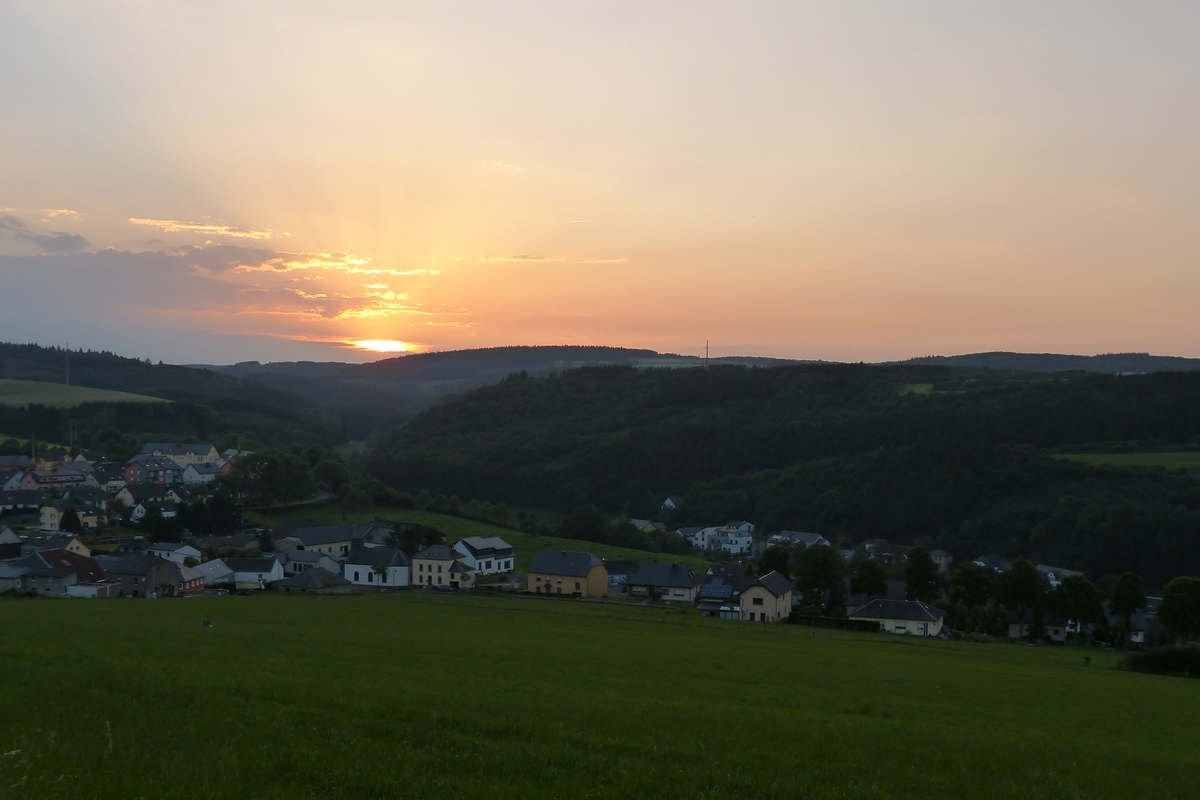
(910, 617)
(202, 472)
(793, 538)
(297, 561)
(168, 508)
(485, 555)
(382, 567)
(735, 537)
(177, 552)
(251, 572)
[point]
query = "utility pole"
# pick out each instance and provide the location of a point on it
(706, 352)
(68, 364)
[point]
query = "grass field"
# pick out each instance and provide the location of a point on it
(1189, 462)
(417, 695)
(22, 393)
(526, 546)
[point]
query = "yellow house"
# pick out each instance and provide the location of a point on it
(60, 541)
(910, 617)
(569, 573)
(438, 566)
(766, 598)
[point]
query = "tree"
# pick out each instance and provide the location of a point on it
(355, 498)
(870, 578)
(1128, 595)
(819, 569)
(970, 585)
(332, 473)
(1179, 610)
(773, 559)
(1077, 599)
(1021, 587)
(921, 577)
(70, 522)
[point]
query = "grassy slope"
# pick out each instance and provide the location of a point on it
(1183, 461)
(526, 546)
(22, 393)
(431, 695)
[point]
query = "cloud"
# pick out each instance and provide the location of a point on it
(604, 261)
(500, 165)
(489, 259)
(179, 226)
(51, 213)
(56, 242)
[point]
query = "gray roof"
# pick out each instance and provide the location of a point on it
(131, 564)
(58, 564)
(726, 569)
(909, 610)
(807, 539)
(565, 562)
(487, 547)
(319, 534)
(205, 467)
(305, 556)
(660, 573)
(169, 546)
(177, 449)
(250, 564)
(621, 566)
(20, 462)
(385, 556)
(436, 552)
(312, 579)
(774, 583)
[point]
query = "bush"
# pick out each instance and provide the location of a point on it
(1166, 661)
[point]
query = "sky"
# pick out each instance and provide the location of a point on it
(211, 182)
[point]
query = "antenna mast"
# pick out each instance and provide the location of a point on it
(68, 363)
(706, 352)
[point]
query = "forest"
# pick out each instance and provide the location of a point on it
(958, 458)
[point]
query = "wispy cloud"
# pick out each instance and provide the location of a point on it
(209, 229)
(449, 324)
(51, 213)
(55, 242)
(500, 165)
(489, 259)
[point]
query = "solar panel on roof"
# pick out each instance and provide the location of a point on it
(718, 591)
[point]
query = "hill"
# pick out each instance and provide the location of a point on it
(1110, 363)
(206, 404)
(847, 450)
(419, 694)
(24, 393)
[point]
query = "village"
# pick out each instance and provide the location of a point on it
(59, 503)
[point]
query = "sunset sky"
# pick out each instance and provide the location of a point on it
(216, 182)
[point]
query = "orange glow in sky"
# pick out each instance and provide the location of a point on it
(844, 181)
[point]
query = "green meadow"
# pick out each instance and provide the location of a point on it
(1189, 462)
(415, 695)
(526, 546)
(23, 393)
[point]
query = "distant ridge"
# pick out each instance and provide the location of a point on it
(1108, 363)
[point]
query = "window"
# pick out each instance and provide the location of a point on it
(383, 578)
(752, 616)
(439, 580)
(370, 577)
(439, 570)
(758, 601)
(420, 567)
(577, 586)
(356, 575)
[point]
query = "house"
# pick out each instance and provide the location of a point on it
(177, 552)
(297, 561)
(182, 454)
(646, 526)
(10, 479)
(59, 541)
(204, 472)
(10, 545)
(386, 567)
(313, 580)
(943, 560)
(141, 575)
(16, 462)
(1055, 575)
(132, 495)
(21, 500)
(672, 502)
(485, 555)
(896, 590)
(52, 515)
(620, 570)
(567, 572)
(234, 541)
(664, 581)
(168, 508)
(49, 460)
(53, 573)
(190, 578)
(728, 570)
(92, 457)
(332, 540)
(911, 617)
(152, 469)
(379, 533)
(747, 598)
(735, 537)
(797, 538)
(215, 572)
(51, 481)
(994, 563)
(1019, 626)
(110, 477)
(440, 566)
(88, 494)
(254, 573)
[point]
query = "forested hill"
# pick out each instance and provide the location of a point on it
(206, 404)
(1110, 363)
(916, 454)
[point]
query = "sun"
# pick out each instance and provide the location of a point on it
(386, 346)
